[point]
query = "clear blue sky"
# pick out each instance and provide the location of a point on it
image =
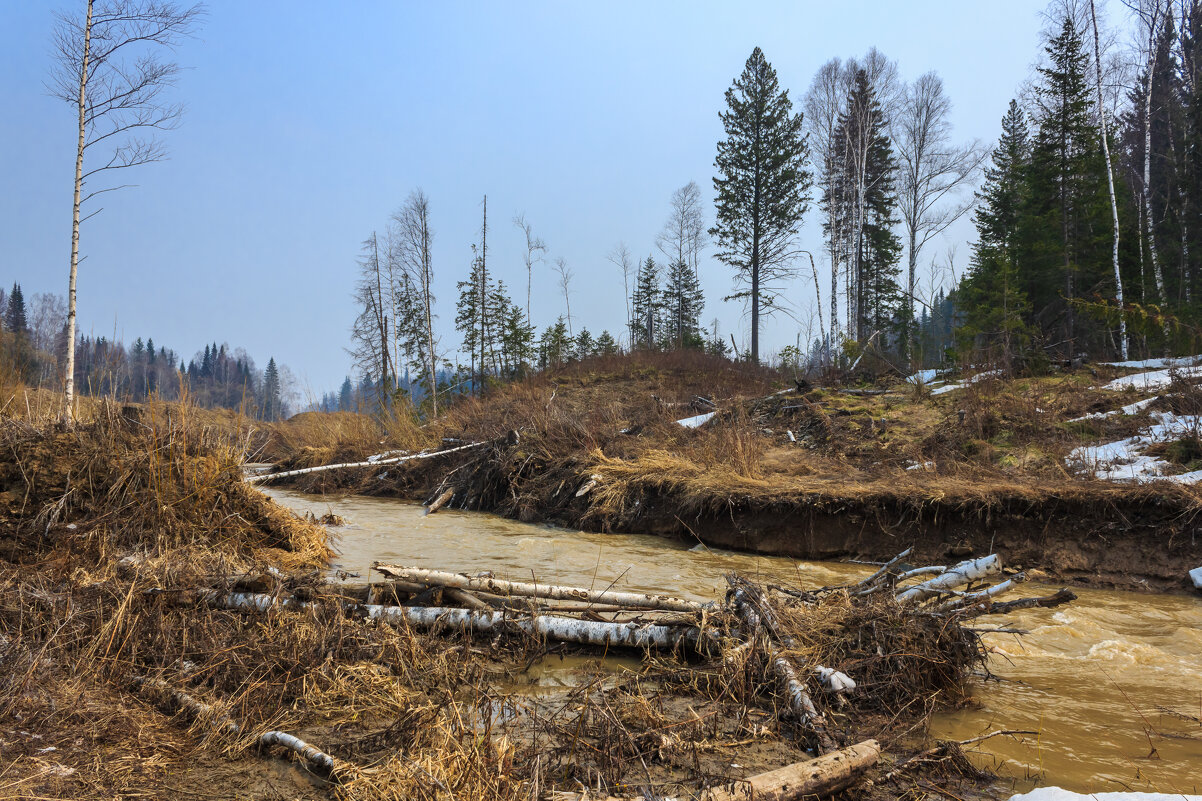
(309, 123)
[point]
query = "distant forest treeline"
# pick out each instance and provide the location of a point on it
(1088, 217)
(33, 346)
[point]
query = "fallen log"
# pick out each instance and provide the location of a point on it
(955, 576)
(320, 468)
(822, 776)
(628, 600)
(440, 501)
(565, 629)
(969, 598)
(316, 758)
(987, 607)
(309, 753)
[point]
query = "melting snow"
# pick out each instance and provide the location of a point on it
(698, 421)
(1154, 379)
(972, 380)
(1059, 794)
(1125, 460)
(1129, 409)
(1148, 364)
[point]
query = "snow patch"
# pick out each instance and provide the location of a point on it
(1125, 460)
(1195, 576)
(1153, 379)
(972, 380)
(1149, 364)
(698, 421)
(1129, 409)
(1059, 794)
(923, 376)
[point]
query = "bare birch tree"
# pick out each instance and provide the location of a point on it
(108, 67)
(1151, 15)
(620, 257)
(535, 248)
(931, 173)
(683, 235)
(413, 235)
(824, 102)
(565, 281)
(1114, 206)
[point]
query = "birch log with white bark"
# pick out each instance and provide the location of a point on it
(565, 629)
(309, 753)
(956, 576)
(626, 600)
(378, 463)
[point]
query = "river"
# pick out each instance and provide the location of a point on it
(1112, 683)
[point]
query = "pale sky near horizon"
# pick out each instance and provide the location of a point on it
(308, 124)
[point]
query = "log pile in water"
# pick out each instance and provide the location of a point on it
(763, 642)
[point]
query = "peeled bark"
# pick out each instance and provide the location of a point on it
(440, 501)
(956, 576)
(817, 777)
(627, 600)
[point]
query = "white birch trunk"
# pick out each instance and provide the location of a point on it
(627, 600)
(957, 576)
(379, 462)
(1114, 206)
(311, 754)
(69, 369)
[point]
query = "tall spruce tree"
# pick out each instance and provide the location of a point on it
(271, 404)
(646, 306)
(1066, 221)
(762, 187)
(994, 304)
(682, 305)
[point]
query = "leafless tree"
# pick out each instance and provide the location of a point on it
(535, 248)
(565, 280)
(109, 68)
(824, 103)
(620, 257)
(932, 172)
(1114, 206)
(684, 233)
(1150, 15)
(413, 236)
(369, 334)
(47, 314)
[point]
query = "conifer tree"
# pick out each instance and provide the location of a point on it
(271, 403)
(606, 345)
(762, 186)
(14, 316)
(996, 307)
(1065, 222)
(646, 306)
(682, 304)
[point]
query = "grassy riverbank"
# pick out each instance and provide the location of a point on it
(112, 531)
(824, 472)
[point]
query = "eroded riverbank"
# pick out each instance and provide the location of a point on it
(1093, 678)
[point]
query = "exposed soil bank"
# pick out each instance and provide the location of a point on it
(801, 471)
(1145, 542)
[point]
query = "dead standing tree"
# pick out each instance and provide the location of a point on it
(535, 248)
(109, 69)
(411, 229)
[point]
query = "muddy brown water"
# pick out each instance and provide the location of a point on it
(1112, 683)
